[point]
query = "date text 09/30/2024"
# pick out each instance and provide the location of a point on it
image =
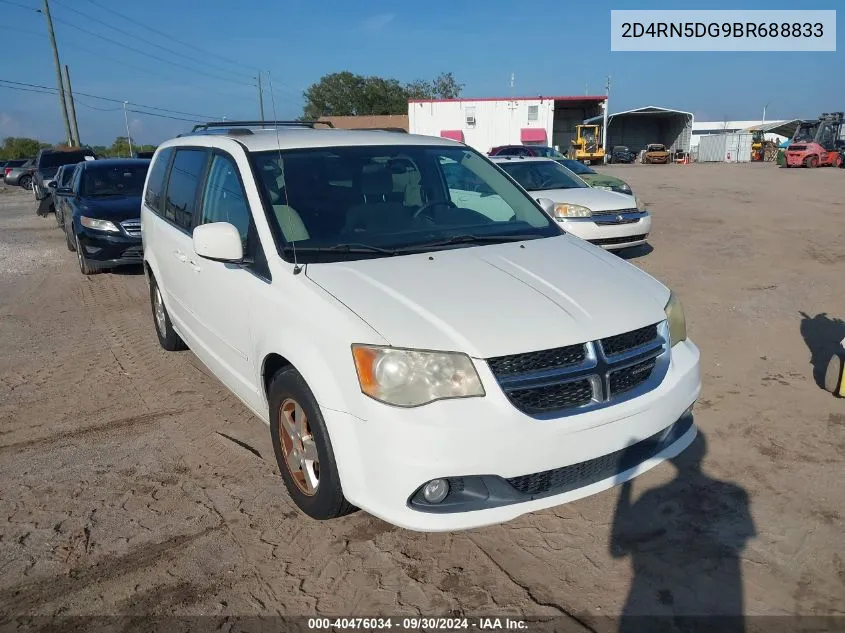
(416, 623)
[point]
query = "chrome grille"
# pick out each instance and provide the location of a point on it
(616, 212)
(569, 380)
(132, 227)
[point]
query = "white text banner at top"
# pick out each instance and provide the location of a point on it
(796, 30)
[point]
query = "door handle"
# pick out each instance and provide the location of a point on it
(180, 256)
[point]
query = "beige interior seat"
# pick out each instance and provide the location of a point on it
(293, 228)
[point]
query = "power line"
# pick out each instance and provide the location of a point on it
(110, 58)
(47, 92)
(91, 18)
(111, 99)
(168, 36)
(145, 53)
(17, 4)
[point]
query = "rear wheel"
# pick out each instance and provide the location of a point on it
(167, 336)
(25, 182)
(812, 162)
(303, 449)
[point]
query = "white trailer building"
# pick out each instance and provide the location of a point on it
(484, 123)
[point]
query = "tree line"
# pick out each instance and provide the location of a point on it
(335, 94)
(22, 147)
(348, 94)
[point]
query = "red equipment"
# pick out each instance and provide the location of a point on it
(814, 143)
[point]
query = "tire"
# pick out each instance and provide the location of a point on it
(25, 182)
(834, 381)
(837, 162)
(84, 267)
(314, 487)
(71, 244)
(811, 162)
(167, 336)
(60, 221)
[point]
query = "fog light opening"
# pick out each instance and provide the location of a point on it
(435, 490)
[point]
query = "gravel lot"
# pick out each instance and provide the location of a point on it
(131, 482)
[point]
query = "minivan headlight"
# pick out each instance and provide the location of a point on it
(410, 378)
(571, 211)
(98, 225)
(677, 321)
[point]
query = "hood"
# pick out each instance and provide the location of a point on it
(498, 299)
(112, 208)
(593, 199)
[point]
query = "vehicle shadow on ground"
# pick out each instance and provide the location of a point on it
(684, 539)
(635, 251)
(128, 271)
(822, 335)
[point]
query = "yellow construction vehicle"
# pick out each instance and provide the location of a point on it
(761, 149)
(586, 146)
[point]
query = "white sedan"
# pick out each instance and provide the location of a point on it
(605, 218)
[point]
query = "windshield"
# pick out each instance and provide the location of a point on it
(389, 199)
(57, 159)
(117, 180)
(806, 132)
(547, 152)
(656, 148)
(541, 175)
(576, 166)
(64, 177)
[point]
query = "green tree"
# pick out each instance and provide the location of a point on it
(120, 147)
(348, 94)
(20, 147)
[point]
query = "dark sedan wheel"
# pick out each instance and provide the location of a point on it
(84, 267)
(25, 182)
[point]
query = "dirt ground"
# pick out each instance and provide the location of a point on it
(131, 482)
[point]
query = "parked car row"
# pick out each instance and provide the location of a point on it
(98, 206)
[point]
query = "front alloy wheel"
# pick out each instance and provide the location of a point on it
(299, 448)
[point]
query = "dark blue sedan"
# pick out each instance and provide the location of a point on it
(102, 213)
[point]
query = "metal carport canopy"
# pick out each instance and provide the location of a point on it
(679, 136)
(781, 128)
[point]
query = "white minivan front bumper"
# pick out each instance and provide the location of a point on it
(385, 456)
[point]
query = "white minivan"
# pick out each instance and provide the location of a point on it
(438, 364)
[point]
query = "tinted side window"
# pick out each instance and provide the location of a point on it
(74, 179)
(185, 176)
(224, 200)
(155, 185)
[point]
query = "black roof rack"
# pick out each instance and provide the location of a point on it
(401, 130)
(231, 125)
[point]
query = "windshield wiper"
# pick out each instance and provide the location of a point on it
(340, 248)
(469, 239)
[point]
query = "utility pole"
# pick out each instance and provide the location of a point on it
(604, 123)
(128, 136)
(73, 120)
(58, 71)
(260, 97)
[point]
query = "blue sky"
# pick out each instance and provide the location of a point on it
(553, 47)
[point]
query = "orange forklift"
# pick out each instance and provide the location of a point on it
(815, 143)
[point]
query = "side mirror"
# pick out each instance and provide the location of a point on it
(219, 241)
(546, 204)
(64, 191)
(52, 184)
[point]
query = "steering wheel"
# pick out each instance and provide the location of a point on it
(429, 205)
